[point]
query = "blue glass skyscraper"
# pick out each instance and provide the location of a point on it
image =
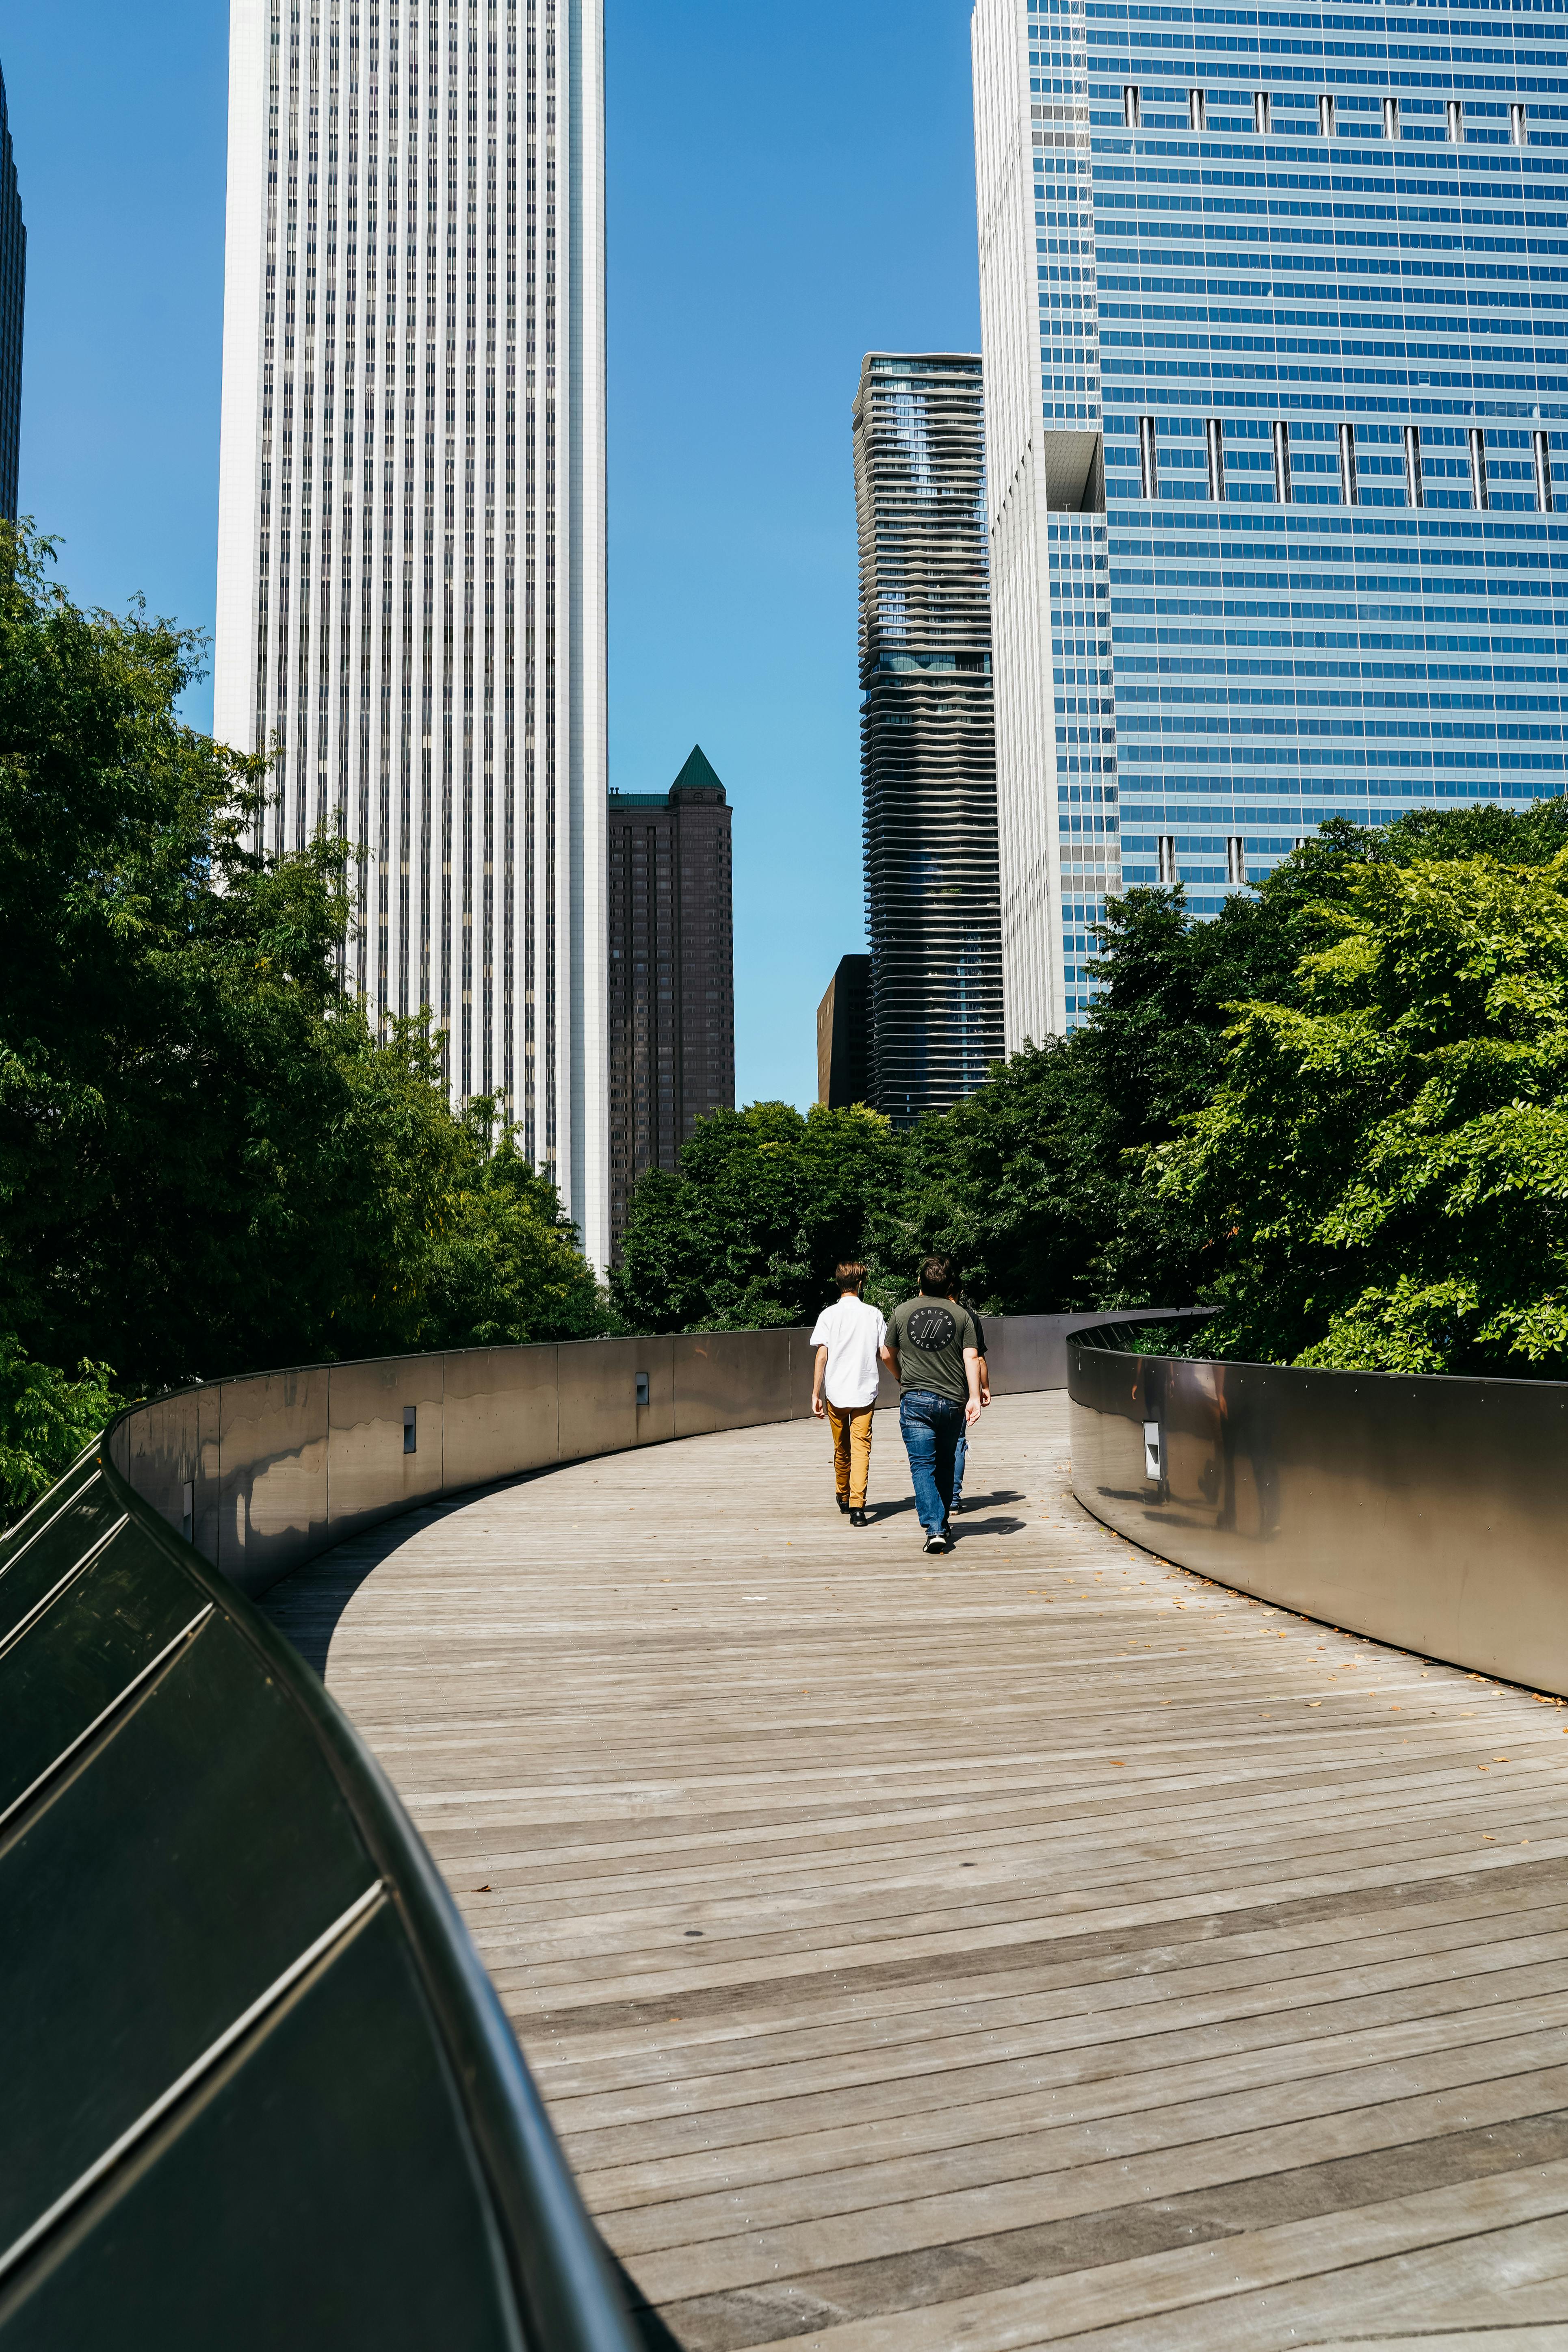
(1306, 273)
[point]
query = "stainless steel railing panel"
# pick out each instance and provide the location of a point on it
(266, 1471)
(499, 1413)
(1428, 1512)
(271, 1474)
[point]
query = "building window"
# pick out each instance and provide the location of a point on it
(1213, 435)
(1476, 440)
(1414, 491)
(1543, 450)
(1198, 110)
(1456, 112)
(1518, 129)
(1261, 109)
(1131, 106)
(1391, 118)
(1235, 858)
(1166, 849)
(1326, 114)
(1347, 465)
(1281, 461)
(1148, 460)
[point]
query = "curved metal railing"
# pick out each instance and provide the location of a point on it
(1425, 1510)
(259, 2088)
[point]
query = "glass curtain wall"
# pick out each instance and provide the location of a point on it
(1319, 271)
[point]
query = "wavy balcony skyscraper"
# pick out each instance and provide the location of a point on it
(411, 570)
(13, 290)
(927, 759)
(1276, 417)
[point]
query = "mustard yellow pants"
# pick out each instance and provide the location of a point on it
(851, 1427)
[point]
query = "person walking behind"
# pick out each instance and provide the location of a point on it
(932, 1348)
(848, 1339)
(961, 1454)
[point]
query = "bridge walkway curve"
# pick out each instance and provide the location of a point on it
(1033, 1947)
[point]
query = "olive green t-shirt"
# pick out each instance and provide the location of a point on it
(928, 1336)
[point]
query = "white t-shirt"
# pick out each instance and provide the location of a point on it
(851, 1332)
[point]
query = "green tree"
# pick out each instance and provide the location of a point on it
(208, 1162)
(1383, 1167)
(506, 1267)
(1034, 1180)
(747, 1231)
(46, 1418)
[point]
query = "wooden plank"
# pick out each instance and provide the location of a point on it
(962, 1950)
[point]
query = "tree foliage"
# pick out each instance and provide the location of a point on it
(208, 1161)
(747, 1232)
(46, 1418)
(1385, 1162)
(1360, 1165)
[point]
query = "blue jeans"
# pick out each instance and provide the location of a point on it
(960, 1455)
(932, 1427)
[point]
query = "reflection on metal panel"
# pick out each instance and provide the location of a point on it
(276, 1467)
(499, 1414)
(260, 2090)
(598, 1396)
(1428, 1512)
(1027, 1352)
(724, 1380)
(369, 1474)
(272, 1484)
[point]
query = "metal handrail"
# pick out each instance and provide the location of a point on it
(1425, 1510)
(123, 1599)
(563, 2293)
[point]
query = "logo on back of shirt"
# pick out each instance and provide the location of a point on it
(931, 1327)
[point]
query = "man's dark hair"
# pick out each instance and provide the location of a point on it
(938, 1276)
(849, 1274)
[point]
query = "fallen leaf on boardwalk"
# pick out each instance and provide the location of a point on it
(1314, 1702)
(484, 1889)
(1482, 1768)
(1121, 1762)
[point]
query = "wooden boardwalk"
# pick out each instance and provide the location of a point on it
(1036, 1945)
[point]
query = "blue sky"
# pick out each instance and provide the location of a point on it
(786, 192)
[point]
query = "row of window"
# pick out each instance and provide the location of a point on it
(1262, 113)
(1414, 475)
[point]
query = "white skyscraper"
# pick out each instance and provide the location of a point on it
(411, 542)
(1058, 840)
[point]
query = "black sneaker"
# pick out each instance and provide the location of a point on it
(937, 1544)
(859, 1520)
(842, 1503)
(958, 1503)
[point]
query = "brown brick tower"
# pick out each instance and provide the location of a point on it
(671, 974)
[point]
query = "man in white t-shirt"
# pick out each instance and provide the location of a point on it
(844, 1392)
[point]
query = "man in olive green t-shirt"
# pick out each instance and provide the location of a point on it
(933, 1348)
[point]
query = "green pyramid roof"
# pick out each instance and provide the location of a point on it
(697, 773)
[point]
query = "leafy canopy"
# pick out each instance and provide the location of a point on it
(1385, 1162)
(208, 1161)
(747, 1233)
(1160, 1155)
